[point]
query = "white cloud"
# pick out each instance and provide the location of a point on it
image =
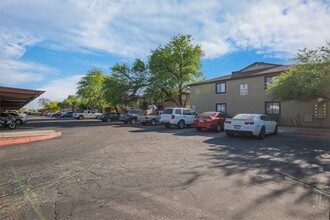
(13, 46)
(281, 26)
(14, 72)
(57, 90)
(13, 42)
(130, 29)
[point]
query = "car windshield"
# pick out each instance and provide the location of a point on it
(167, 111)
(13, 114)
(244, 116)
(208, 114)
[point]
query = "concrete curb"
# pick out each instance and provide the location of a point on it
(318, 134)
(30, 139)
(17, 134)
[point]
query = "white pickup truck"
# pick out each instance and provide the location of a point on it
(151, 119)
(88, 114)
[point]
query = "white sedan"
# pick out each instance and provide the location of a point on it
(258, 125)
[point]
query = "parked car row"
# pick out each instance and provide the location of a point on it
(257, 125)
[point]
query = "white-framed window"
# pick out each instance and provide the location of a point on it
(220, 88)
(273, 108)
(221, 107)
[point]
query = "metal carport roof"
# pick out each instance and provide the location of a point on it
(15, 98)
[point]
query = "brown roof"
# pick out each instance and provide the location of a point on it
(245, 74)
(16, 98)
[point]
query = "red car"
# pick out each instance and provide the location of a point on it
(210, 120)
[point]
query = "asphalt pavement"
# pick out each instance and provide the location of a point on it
(113, 171)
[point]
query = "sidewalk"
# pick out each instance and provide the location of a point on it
(306, 131)
(18, 137)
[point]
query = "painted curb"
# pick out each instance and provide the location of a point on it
(30, 139)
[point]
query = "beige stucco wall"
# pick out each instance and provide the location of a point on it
(204, 98)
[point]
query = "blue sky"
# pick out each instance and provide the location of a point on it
(49, 45)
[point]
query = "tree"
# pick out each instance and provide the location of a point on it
(72, 102)
(53, 106)
(49, 106)
(43, 102)
(90, 89)
(125, 83)
(305, 81)
(115, 92)
(173, 67)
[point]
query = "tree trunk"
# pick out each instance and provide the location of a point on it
(116, 109)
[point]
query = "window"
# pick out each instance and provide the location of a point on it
(221, 107)
(220, 87)
(265, 118)
(273, 108)
(186, 112)
(192, 112)
(178, 111)
(184, 97)
(168, 111)
(268, 79)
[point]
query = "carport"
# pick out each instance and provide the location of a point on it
(15, 98)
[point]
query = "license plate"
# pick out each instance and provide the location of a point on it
(201, 120)
(237, 126)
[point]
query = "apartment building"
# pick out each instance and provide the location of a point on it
(244, 91)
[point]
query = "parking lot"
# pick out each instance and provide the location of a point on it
(114, 171)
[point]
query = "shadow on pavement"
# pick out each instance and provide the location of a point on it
(301, 161)
(298, 166)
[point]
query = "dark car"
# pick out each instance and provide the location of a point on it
(130, 115)
(56, 114)
(109, 117)
(68, 115)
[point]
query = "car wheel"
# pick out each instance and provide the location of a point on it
(275, 130)
(218, 128)
(181, 124)
(198, 129)
(153, 122)
(80, 117)
(133, 121)
(262, 133)
(229, 134)
(167, 125)
(108, 120)
(12, 126)
(18, 121)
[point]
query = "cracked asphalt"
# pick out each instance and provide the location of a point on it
(113, 171)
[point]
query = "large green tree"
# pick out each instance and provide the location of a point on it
(173, 67)
(90, 89)
(305, 81)
(125, 83)
(72, 102)
(115, 92)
